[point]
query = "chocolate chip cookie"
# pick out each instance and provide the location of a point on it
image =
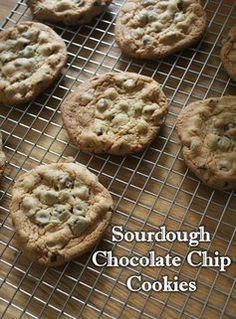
(70, 12)
(228, 54)
(2, 156)
(115, 113)
(154, 29)
(60, 211)
(31, 57)
(207, 130)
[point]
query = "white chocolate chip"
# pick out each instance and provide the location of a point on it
(142, 126)
(224, 143)
(30, 202)
(142, 17)
(179, 17)
(87, 97)
(138, 33)
(78, 224)
(61, 212)
(149, 109)
(102, 104)
(43, 37)
(157, 26)
(224, 166)
(129, 84)
(147, 39)
(111, 93)
(152, 16)
(99, 127)
(148, 2)
(28, 182)
(80, 208)
(43, 216)
(65, 196)
(45, 49)
(49, 197)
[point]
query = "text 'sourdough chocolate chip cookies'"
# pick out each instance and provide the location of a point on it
(115, 113)
(2, 156)
(59, 211)
(228, 54)
(153, 29)
(31, 56)
(67, 11)
(207, 130)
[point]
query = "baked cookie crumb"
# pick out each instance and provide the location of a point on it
(154, 29)
(70, 12)
(115, 113)
(31, 57)
(60, 211)
(207, 131)
(228, 54)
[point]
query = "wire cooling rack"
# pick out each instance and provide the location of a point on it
(150, 189)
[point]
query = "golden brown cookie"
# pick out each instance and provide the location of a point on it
(31, 57)
(115, 113)
(60, 211)
(228, 54)
(70, 12)
(207, 130)
(154, 29)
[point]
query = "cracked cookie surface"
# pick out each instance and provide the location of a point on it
(154, 29)
(228, 54)
(60, 211)
(207, 130)
(2, 156)
(31, 57)
(115, 113)
(70, 12)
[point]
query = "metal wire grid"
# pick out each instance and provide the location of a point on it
(150, 189)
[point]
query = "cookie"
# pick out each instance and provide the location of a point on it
(60, 211)
(2, 156)
(31, 57)
(70, 12)
(207, 130)
(154, 29)
(115, 113)
(228, 54)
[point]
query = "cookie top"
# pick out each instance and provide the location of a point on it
(2, 156)
(70, 12)
(154, 29)
(207, 130)
(228, 54)
(115, 113)
(31, 56)
(59, 211)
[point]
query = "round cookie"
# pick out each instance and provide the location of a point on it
(228, 54)
(31, 57)
(2, 156)
(60, 211)
(207, 130)
(70, 12)
(115, 113)
(154, 29)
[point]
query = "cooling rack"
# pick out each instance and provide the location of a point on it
(150, 189)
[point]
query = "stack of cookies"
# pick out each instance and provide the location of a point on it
(61, 210)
